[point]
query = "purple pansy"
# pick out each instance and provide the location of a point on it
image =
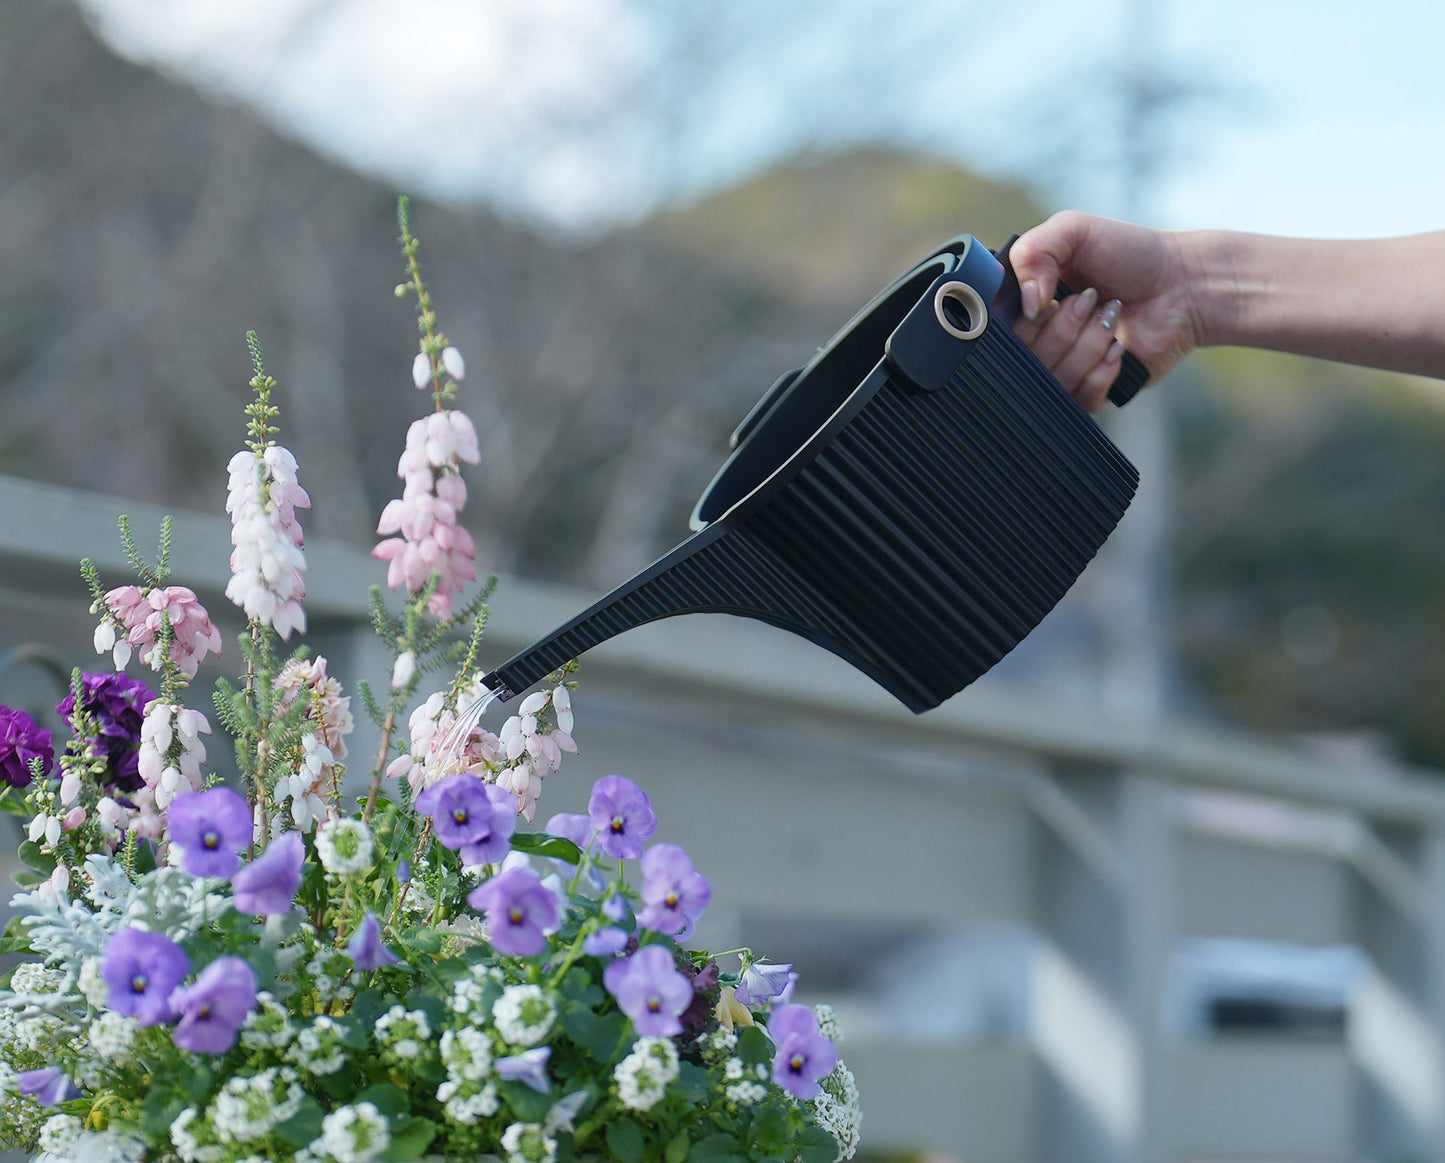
(21, 740)
(621, 815)
(528, 1068)
(675, 894)
(117, 703)
(605, 942)
(214, 1009)
(520, 911)
(366, 948)
(140, 970)
(211, 828)
(650, 990)
(477, 818)
(268, 884)
(804, 1056)
(760, 984)
(49, 1086)
(578, 828)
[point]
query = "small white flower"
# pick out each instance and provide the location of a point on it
(60, 1135)
(404, 670)
(467, 1054)
(421, 370)
(523, 1014)
(113, 1036)
(528, 1143)
(643, 1076)
(453, 362)
(836, 1109)
(355, 1134)
(345, 846)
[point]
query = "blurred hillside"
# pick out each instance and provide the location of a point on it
(144, 229)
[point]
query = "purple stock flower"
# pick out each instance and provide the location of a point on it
(622, 816)
(49, 1086)
(268, 884)
(650, 990)
(478, 818)
(211, 827)
(365, 947)
(215, 1008)
(140, 970)
(675, 895)
(21, 740)
(760, 984)
(804, 1056)
(528, 1067)
(520, 911)
(117, 704)
(605, 943)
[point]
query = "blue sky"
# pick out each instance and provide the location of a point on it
(1321, 118)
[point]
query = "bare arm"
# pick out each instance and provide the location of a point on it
(1377, 303)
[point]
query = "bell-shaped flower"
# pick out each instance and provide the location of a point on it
(528, 1068)
(214, 1009)
(763, 983)
(366, 948)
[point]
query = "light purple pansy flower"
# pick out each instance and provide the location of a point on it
(211, 828)
(760, 984)
(49, 1086)
(477, 818)
(578, 828)
(520, 911)
(804, 1056)
(650, 990)
(215, 1008)
(528, 1068)
(622, 816)
(268, 884)
(366, 948)
(675, 894)
(140, 970)
(605, 942)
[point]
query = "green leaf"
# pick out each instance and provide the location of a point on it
(410, 1141)
(388, 1098)
(625, 1140)
(526, 1103)
(304, 1127)
(815, 1145)
(423, 940)
(677, 1149)
(42, 862)
(197, 1081)
(716, 1149)
(160, 1110)
(693, 1084)
(13, 803)
(541, 844)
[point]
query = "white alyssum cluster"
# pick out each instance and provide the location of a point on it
(469, 993)
(528, 1143)
(345, 847)
(267, 563)
(249, 1108)
(354, 1134)
(469, 1093)
(268, 1025)
(524, 1015)
(644, 1075)
(64, 1139)
(318, 1048)
(402, 1032)
(37, 984)
(837, 1111)
(112, 1036)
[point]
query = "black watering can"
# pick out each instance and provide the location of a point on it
(915, 498)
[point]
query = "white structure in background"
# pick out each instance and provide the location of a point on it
(1015, 907)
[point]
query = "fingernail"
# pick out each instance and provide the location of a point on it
(1110, 314)
(1085, 302)
(1115, 352)
(1029, 293)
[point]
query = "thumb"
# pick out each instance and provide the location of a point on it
(1039, 256)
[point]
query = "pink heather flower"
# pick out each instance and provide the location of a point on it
(73, 818)
(140, 612)
(163, 724)
(330, 709)
(426, 516)
(267, 563)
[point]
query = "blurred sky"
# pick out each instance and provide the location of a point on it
(1311, 118)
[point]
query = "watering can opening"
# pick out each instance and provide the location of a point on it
(914, 499)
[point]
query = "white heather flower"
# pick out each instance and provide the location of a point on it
(421, 371)
(528, 1143)
(345, 846)
(267, 563)
(454, 363)
(404, 670)
(524, 1014)
(162, 725)
(836, 1110)
(305, 786)
(643, 1076)
(403, 1032)
(113, 1036)
(355, 1134)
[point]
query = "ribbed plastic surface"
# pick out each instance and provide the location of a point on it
(921, 545)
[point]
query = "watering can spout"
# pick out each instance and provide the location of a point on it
(914, 499)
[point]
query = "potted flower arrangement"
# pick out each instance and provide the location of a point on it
(278, 970)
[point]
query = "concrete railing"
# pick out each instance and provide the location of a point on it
(997, 894)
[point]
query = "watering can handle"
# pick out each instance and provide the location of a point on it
(1132, 376)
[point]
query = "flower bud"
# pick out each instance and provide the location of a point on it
(453, 362)
(404, 670)
(421, 370)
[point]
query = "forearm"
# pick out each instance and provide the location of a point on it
(1378, 303)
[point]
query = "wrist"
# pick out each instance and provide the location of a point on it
(1212, 282)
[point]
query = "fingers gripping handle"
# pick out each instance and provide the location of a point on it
(1132, 376)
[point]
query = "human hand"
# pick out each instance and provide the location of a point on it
(1139, 277)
